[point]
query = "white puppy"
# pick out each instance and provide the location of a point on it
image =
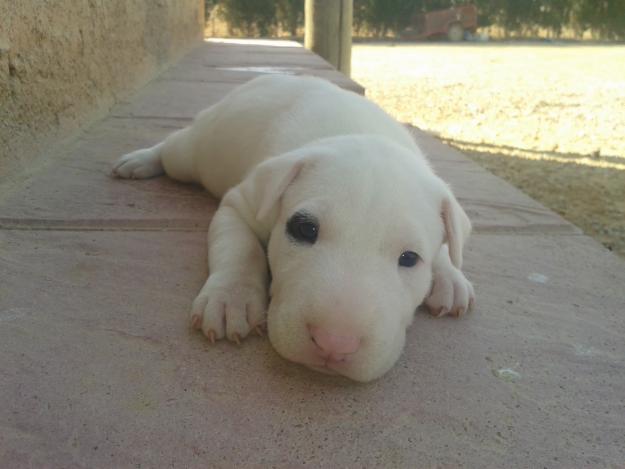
(329, 200)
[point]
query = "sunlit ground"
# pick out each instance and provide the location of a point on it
(549, 119)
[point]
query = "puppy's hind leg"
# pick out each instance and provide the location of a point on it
(173, 156)
(140, 164)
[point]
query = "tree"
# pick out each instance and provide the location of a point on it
(290, 15)
(606, 18)
(383, 16)
(250, 17)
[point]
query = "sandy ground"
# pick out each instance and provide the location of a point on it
(548, 118)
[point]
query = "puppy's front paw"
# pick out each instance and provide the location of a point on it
(451, 293)
(140, 164)
(229, 306)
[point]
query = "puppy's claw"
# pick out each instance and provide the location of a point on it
(196, 321)
(210, 334)
(236, 338)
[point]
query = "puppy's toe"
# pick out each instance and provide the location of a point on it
(441, 298)
(256, 313)
(213, 318)
(464, 296)
(461, 298)
(237, 327)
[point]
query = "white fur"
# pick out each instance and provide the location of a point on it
(281, 144)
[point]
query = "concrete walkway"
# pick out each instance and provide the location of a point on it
(98, 367)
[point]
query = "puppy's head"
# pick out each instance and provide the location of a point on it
(356, 223)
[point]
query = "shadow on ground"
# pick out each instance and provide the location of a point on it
(600, 212)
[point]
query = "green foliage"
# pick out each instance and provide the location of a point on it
(606, 18)
(382, 16)
(249, 17)
(290, 15)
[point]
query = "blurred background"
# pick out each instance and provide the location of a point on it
(533, 90)
(578, 19)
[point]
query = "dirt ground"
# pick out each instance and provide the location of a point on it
(548, 118)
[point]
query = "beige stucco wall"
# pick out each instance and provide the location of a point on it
(64, 62)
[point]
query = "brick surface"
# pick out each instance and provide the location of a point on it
(98, 367)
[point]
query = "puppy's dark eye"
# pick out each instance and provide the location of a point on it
(409, 259)
(303, 227)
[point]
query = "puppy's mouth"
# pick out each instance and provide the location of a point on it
(323, 369)
(329, 367)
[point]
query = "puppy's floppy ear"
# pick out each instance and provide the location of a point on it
(264, 186)
(457, 226)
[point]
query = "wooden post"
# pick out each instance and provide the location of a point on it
(329, 31)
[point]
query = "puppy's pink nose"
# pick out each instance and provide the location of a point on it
(331, 346)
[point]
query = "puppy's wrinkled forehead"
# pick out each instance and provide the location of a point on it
(367, 177)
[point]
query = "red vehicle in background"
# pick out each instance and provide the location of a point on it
(454, 22)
